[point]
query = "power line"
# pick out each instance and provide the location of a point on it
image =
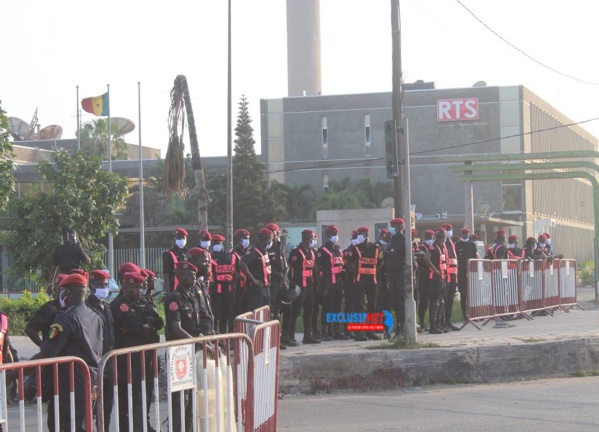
(522, 52)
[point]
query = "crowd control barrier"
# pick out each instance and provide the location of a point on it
(80, 408)
(499, 288)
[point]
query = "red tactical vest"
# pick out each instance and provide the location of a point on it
(336, 264)
(367, 266)
(307, 267)
(175, 261)
(452, 263)
(265, 266)
(241, 277)
(225, 274)
(442, 262)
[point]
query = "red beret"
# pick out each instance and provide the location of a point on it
(384, 231)
(547, 235)
(465, 230)
(180, 231)
(242, 233)
(81, 272)
(186, 266)
(98, 275)
(149, 273)
(512, 238)
(501, 232)
(440, 231)
(414, 232)
(429, 233)
(218, 238)
(73, 279)
(474, 237)
(542, 238)
(531, 240)
(129, 267)
(196, 251)
(266, 232)
(447, 226)
(354, 233)
(397, 221)
(308, 232)
(133, 278)
(59, 277)
(332, 229)
(205, 234)
(272, 226)
(363, 229)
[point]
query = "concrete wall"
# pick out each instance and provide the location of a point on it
(348, 220)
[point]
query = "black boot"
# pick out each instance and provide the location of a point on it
(337, 334)
(433, 319)
(309, 339)
(360, 337)
(285, 340)
(372, 336)
(452, 327)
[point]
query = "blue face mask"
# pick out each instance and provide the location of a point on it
(392, 230)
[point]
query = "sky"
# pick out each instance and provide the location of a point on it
(50, 48)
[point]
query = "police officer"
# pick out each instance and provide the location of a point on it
(452, 278)
(513, 251)
(149, 286)
(328, 269)
(98, 287)
(171, 257)
(435, 259)
(466, 250)
(384, 300)
(44, 316)
(397, 263)
(278, 264)
(222, 290)
(241, 243)
(366, 258)
(423, 278)
(528, 251)
(77, 331)
(255, 264)
(542, 251)
(183, 315)
(136, 323)
(201, 260)
(68, 256)
(498, 250)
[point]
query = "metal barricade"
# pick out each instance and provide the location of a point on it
(567, 285)
(78, 395)
(531, 285)
(198, 369)
(480, 296)
(262, 314)
(506, 299)
(551, 283)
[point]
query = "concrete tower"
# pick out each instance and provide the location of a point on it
(303, 48)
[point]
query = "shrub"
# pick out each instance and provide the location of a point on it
(20, 311)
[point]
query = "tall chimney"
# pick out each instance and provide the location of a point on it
(303, 48)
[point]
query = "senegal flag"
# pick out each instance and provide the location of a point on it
(96, 105)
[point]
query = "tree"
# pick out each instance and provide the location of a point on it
(94, 137)
(174, 163)
(7, 179)
(84, 197)
(300, 200)
(335, 201)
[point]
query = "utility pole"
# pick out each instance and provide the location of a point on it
(397, 104)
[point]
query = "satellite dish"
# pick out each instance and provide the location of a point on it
(18, 128)
(388, 202)
(479, 84)
(51, 132)
(123, 125)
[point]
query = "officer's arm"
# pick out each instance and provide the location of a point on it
(157, 321)
(317, 272)
(246, 271)
(427, 260)
(177, 331)
(37, 323)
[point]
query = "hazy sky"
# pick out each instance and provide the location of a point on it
(51, 47)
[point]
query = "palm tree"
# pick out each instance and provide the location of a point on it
(174, 163)
(94, 135)
(299, 201)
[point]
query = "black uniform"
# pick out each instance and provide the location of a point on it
(466, 251)
(240, 285)
(397, 264)
(301, 267)
(168, 264)
(44, 317)
(67, 257)
(329, 260)
(129, 321)
(222, 290)
(76, 331)
(276, 255)
(423, 286)
(103, 310)
(498, 251)
(452, 281)
(436, 283)
(258, 264)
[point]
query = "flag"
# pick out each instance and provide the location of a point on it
(98, 105)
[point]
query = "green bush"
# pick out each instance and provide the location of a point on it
(20, 311)
(586, 273)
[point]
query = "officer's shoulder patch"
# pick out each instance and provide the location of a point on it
(173, 306)
(319, 254)
(55, 330)
(249, 251)
(350, 253)
(294, 258)
(124, 307)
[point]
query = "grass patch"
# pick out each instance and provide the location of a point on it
(585, 374)
(402, 342)
(531, 340)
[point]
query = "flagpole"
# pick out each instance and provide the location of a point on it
(78, 121)
(110, 239)
(142, 234)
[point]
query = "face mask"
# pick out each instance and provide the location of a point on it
(268, 245)
(429, 242)
(205, 244)
(511, 246)
(355, 242)
(392, 230)
(360, 238)
(217, 247)
(61, 298)
(548, 241)
(541, 245)
(383, 242)
(313, 243)
(180, 243)
(449, 233)
(74, 240)
(101, 293)
(334, 239)
(465, 238)
(245, 242)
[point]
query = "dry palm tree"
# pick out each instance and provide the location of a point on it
(174, 170)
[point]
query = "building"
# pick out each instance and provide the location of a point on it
(319, 138)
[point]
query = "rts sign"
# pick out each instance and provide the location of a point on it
(457, 109)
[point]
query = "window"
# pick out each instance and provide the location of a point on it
(325, 182)
(512, 197)
(325, 138)
(367, 140)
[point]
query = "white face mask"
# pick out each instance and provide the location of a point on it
(548, 241)
(180, 243)
(61, 298)
(313, 243)
(360, 238)
(245, 242)
(217, 247)
(74, 240)
(355, 242)
(205, 244)
(511, 246)
(268, 245)
(541, 245)
(101, 293)
(465, 238)
(429, 242)
(334, 239)
(449, 233)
